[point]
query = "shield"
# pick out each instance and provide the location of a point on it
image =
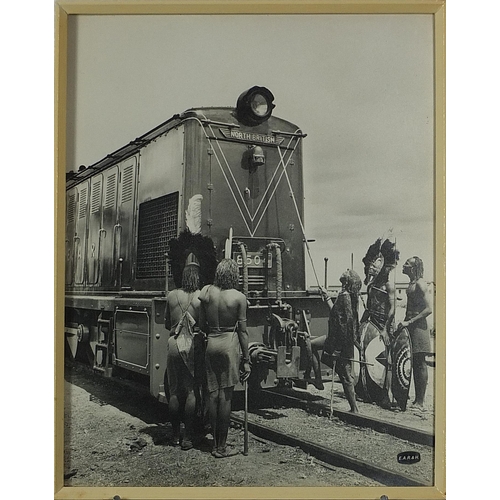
(372, 385)
(402, 367)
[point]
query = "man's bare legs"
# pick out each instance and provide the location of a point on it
(421, 377)
(185, 403)
(174, 416)
(189, 415)
(345, 375)
(219, 408)
(317, 344)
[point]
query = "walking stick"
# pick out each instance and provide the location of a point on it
(331, 392)
(245, 436)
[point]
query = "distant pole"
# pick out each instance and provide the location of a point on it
(326, 272)
(352, 260)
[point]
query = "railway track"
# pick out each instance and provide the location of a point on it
(335, 458)
(319, 408)
(272, 406)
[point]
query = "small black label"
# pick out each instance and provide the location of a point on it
(408, 457)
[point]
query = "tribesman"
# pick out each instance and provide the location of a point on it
(379, 262)
(192, 261)
(417, 309)
(181, 318)
(343, 324)
(223, 317)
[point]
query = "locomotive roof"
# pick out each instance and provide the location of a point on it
(124, 152)
(137, 144)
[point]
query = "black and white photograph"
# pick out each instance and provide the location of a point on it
(253, 238)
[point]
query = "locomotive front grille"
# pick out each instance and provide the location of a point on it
(157, 225)
(256, 279)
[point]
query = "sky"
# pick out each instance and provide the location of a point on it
(359, 86)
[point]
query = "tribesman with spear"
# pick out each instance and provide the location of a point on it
(338, 344)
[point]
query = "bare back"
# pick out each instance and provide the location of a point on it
(178, 301)
(222, 308)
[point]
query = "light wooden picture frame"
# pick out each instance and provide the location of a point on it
(74, 138)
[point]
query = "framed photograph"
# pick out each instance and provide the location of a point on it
(290, 156)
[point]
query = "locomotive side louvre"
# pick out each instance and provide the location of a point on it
(70, 234)
(80, 237)
(124, 231)
(94, 231)
(153, 220)
(107, 253)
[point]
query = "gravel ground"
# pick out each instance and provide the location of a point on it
(418, 420)
(114, 437)
(117, 437)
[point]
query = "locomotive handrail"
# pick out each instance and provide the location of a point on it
(102, 233)
(141, 293)
(279, 269)
(115, 248)
(270, 239)
(243, 251)
(264, 306)
(206, 121)
(291, 134)
(306, 241)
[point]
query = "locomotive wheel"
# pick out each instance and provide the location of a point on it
(87, 341)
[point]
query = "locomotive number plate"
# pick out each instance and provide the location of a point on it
(254, 259)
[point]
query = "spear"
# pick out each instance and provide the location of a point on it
(245, 435)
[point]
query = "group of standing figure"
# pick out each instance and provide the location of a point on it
(207, 353)
(345, 328)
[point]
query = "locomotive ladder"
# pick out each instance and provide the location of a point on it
(103, 347)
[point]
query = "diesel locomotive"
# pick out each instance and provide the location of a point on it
(237, 172)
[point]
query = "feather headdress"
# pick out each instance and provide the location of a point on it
(202, 247)
(191, 247)
(384, 250)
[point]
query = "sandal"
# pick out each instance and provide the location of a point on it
(418, 410)
(186, 444)
(318, 384)
(225, 453)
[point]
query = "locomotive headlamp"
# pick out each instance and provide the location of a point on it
(255, 106)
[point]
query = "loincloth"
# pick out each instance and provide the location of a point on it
(420, 339)
(222, 358)
(180, 379)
